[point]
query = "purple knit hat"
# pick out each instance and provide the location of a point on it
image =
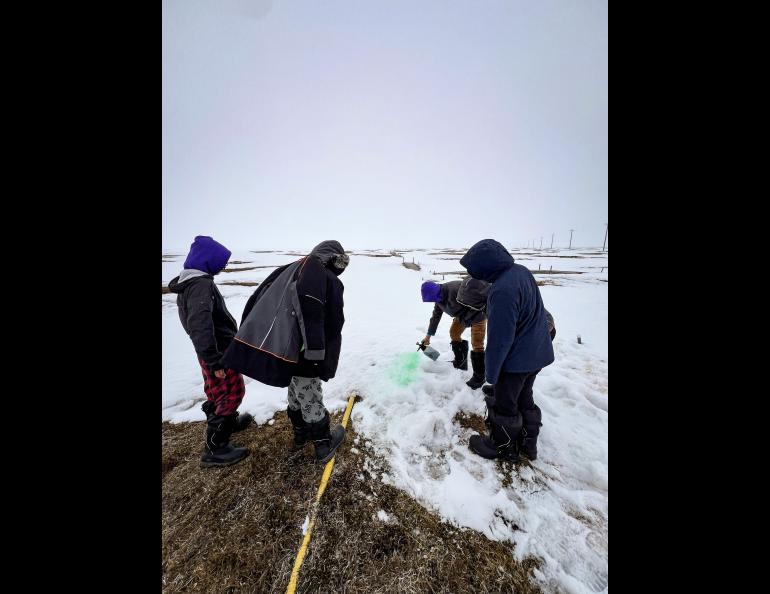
(207, 255)
(430, 291)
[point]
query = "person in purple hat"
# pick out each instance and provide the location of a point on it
(465, 301)
(211, 328)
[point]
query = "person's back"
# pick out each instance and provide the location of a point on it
(448, 302)
(192, 289)
(531, 349)
(279, 338)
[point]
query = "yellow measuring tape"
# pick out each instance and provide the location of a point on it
(321, 488)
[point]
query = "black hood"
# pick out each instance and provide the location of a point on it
(328, 251)
(486, 260)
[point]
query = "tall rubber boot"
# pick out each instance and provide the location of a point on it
(218, 451)
(479, 370)
(529, 432)
(241, 422)
(326, 442)
(460, 349)
(502, 440)
(301, 428)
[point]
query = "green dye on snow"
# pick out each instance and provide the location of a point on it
(403, 371)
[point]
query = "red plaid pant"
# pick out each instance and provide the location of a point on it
(225, 393)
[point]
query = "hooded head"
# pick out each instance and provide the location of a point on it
(207, 255)
(332, 255)
(430, 291)
(486, 260)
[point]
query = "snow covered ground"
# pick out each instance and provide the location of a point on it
(557, 509)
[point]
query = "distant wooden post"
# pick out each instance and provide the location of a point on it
(570, 238)
(607, 228)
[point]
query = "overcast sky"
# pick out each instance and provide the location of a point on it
(419, 123)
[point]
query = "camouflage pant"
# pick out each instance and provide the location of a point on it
(306, 394)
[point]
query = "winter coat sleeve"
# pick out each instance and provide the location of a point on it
(200, 324)
(434, 320)
(503, 313)
(311, 291)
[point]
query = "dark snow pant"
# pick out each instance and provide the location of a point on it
(513, 393)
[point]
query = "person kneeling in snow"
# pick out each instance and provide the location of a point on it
(291, 335)
(211, 328)
(518, 347)
(465, 301)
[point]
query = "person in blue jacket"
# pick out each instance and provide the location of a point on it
(518, 347)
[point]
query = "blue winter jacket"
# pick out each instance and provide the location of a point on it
(517, 328)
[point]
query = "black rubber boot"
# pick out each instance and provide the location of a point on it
(501, 442)
(301, 428)
(529, 432)
(479, 370)
(460, 349)
(326, 442)
(242, 422)
(490, 402)
(488, 390)
(218, 451)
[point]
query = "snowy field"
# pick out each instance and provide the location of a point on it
(557, 508)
